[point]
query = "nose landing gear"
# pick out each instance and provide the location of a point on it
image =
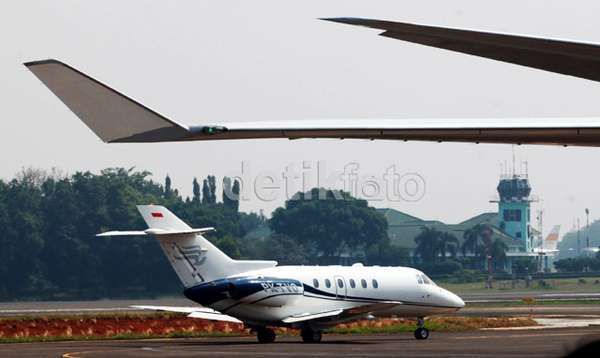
(421, 332)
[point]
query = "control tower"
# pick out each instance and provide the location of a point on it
(514, 209)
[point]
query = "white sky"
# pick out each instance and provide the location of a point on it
(211, 61)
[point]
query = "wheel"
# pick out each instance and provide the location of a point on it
(265, 335)
(421, 333)
(311, 336)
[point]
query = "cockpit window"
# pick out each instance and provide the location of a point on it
(423, 279)
(419, 279)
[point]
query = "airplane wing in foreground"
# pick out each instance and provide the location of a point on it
(194, 312)
(560, 56)
(116, 118)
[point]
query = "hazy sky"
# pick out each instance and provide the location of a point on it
(211, 61)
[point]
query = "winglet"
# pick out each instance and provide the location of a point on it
(111, 115)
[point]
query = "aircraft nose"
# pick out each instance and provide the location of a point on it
(453, 300)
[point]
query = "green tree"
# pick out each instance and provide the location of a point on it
(447, 245)
(327, 225)
(283, 249)
(236, 195)
(428, 244)
(479, 241)
(212, 185)
(206, 194)
(168, 189)
(196, 191)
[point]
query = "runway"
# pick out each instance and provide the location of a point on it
(124, 306)
(522, 343)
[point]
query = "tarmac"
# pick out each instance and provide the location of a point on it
(114, 306)
(523, 343)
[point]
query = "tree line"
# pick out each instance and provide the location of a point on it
(438, 250)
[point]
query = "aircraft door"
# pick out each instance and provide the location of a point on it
(340, 287)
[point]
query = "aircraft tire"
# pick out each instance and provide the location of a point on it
(421, 333)
(265, 335)
(311, 336)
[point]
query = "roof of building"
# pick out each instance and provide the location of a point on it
(403, 228)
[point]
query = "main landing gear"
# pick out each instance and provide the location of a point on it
(310, 335)
(421, 332)
(265, 335)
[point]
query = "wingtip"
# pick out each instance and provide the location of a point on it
(42, 62)
(344, 20)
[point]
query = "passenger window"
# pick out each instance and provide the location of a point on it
(352, 283)
(363, 283)
(375, 283)
(327, 283)
(315, 282)
(340, 283)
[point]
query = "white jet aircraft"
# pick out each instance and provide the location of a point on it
(261, 294)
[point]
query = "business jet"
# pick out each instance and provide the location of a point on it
(116, 118)
(262, 295)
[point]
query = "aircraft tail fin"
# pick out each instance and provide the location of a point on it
(551, 241)
(193, 257)
(111, 115)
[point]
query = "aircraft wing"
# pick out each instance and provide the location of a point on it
(342, 313)
(194, 312)
(303, 317)
(116, 118)
(560, 56)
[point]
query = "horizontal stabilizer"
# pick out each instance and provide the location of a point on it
(194, 312)
(157, 232)
(122, 233)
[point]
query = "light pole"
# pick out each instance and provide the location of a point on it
(587, 231)
(578, 238)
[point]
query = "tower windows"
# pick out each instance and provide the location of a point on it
(512, 214)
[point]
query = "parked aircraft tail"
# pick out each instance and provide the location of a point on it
(551, 241)
(193, 257)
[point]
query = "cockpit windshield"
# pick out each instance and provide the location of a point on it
(422, 279)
